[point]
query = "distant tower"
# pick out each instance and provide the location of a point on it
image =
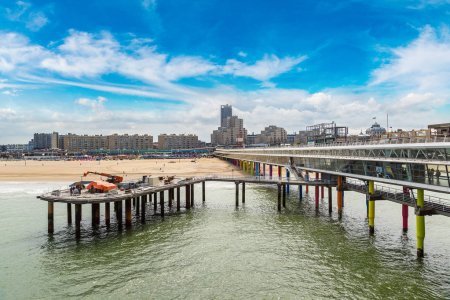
(225, 112)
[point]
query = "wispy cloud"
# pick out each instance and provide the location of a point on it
(94, 104)
(24, 12)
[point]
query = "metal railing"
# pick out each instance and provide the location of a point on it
(389, 193)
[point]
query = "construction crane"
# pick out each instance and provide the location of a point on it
(111, 178)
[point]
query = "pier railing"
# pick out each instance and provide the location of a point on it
(397, 195)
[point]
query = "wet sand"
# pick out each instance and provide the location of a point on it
(129, 169)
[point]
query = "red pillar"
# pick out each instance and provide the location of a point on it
(405, 211)
(279, 171)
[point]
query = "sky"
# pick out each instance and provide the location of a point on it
(166, 66)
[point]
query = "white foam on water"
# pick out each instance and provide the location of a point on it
(30, 188)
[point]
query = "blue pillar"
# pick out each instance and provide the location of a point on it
(257, 169)
(300, 192)
(287, 185)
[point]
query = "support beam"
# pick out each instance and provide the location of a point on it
(178, 198)
(243, 192)
(330, 200)
(316, 197)
(279, 196)
(119, 214)
(420, 224)
(192, 196)
(371, 207)
(161, 203)
(128, 213)
(203, 191)
(188, 196)
(138, 206)
(78, 220)
(69, 213)
(107, 214)
(50, 218)
(288, 175)
(340, 195)
(405, 211)
(237, 193)
(143, 205)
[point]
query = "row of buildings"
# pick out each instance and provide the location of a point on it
(80, 143)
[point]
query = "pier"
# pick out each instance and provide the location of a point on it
(139, 197)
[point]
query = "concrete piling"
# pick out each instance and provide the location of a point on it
(161, 203)
(178, 198)
(243, 192)
(284, 194)
(188, 196)
(155, 202)
(279, 196)
(203, 191)
(69, 213)
(107, 214)
(50, 217)
(143, 205)
(237, 193)
(78, 220)
(192, 196)
(330, 200)
(128, 213)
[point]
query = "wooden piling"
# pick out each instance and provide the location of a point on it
(128, 213)
(107, 214)
(78, 220)
(243, 192)
(203, 191)
(50, 217)
(178, 198)
(161, 203)
(69, 213)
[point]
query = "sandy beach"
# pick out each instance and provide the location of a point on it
(129, 169)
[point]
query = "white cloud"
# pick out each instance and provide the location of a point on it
(147, 4)
(7, 114)
(22, 12)
(94, 104)
(422, 65)
(265, 69)
(242, 54)
(16, 51)
(36, 21)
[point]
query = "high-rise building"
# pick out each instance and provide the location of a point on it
(272, 135)
(79, 143)
(233, 133)
(225, 112)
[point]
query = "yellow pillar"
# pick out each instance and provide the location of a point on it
(371, 208)
(420, 224)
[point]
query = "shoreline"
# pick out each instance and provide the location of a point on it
(71, 171)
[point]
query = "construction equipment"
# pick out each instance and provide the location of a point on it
(111, 178)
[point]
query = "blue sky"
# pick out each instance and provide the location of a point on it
(149, 66)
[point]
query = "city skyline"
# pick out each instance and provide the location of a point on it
(167, 66)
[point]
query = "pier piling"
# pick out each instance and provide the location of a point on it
(107, 214)
(119, 214)
(69, 213)
(300, 192)
(279, 196)
(192, 196)
(420, 224)
(316, 197)
(155, 202)
(161, 203)
(371, 208)
(284, 195)
(143, 205)
(138, 206)
(243, 192)
(178, 198)
(128, 213)
(330, 200)
(237, 193)
(77, 220)
(50, 217)
(340, 195)
(188, 196)
(203, 191)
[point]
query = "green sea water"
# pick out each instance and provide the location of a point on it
(216, 251)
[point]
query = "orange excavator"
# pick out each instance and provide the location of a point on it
(111, 178)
